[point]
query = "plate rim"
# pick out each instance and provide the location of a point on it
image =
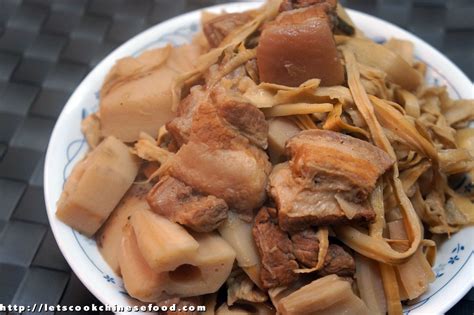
(134, 41)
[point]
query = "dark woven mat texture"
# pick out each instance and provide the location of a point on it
(46, 49)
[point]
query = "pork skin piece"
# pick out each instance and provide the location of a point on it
(299, 46)
(181, 204)
(337, 162)
(302, 204)
(219, 27)
(275, 249)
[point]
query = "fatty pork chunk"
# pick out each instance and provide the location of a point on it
(221, 150)
(299, 45)
(327, 180)
(178, 202)
(242, 119)
(282, 253)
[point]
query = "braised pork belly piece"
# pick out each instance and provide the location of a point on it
(299, 45)
(178, 202)
(221, 149)
(302, 204)
(234, 117)
(282, 253)
(246, 119)
(236, 176)
(327, 181)
(337, 162)
(222, 118)
(218, 28)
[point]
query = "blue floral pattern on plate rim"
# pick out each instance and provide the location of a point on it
(458, 259)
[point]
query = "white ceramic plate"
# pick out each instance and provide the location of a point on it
(454, 266)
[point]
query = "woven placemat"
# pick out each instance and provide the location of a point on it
(46, 49)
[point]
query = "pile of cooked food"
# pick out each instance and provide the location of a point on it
(280, 163)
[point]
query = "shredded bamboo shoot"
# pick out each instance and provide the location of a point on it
(335, 123)
(378, 56)
(415, 274)
(238, 234)
(376, 248)
(297, 109)
(390, 284)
